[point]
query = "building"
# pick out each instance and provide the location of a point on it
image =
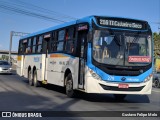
(4, 55)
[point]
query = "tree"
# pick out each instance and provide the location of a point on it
(156, 38)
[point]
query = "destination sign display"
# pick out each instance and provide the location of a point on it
(82, 27)
(121, 23)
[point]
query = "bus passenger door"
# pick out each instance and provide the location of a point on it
(82, 42)
(45, 56)
(21, 57)
(23, 68)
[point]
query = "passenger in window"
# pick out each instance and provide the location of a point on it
(105, 53)
(72, 48)
(26, 51)
(67, 36)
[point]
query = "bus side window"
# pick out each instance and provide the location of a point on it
(29, 46)
(34, 45)
(39, 44)
(60, 42)
(69, 41)
(52, 46)
(20, 50)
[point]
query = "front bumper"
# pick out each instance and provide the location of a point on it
(5, 71)
(97, 86)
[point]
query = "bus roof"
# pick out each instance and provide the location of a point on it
(85, 19)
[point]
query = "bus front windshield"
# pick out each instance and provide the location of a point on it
(122, 48)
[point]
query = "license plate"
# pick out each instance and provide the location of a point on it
(123, 86)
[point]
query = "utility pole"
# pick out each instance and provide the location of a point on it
(13, 33)
(159, 17)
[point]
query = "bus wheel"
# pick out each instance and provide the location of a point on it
(69, 86)
(119, 97)
(36, 82)
(156, 84)
(30, 78)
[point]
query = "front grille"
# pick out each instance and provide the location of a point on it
(113, 88)
(5, 69)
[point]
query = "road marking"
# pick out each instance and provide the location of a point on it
(156, 91)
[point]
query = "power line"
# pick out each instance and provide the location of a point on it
(28, 13)
(33, 11)
(29, 5)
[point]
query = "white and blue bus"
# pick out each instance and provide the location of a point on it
(96, 54)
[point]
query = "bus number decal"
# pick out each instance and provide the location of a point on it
(110, 77)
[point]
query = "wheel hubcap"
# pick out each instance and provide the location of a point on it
(156, 83)
(69, 86)
(35, 79)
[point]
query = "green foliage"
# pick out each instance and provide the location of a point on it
(4, 57)
(156, 38)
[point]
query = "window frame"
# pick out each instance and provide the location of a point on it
(54, 40)
(39, 44)
(29, 46)
(71, 40)
(34, 45)
(61, 40)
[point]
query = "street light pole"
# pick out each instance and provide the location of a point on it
(13, 33)
(10, 46)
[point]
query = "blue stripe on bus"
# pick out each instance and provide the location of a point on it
(112, 78)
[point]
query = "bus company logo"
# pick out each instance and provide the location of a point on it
(123, 78)
(6, 114)
(133, 79)
(53, 62)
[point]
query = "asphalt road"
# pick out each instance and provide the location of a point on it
(17, 95)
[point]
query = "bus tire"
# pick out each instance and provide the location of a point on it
(30, 78)
(156, 83)
(69, 86)
(35, 81)
(119, 97)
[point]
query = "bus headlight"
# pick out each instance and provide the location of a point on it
(148, 78)
(95, 75)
